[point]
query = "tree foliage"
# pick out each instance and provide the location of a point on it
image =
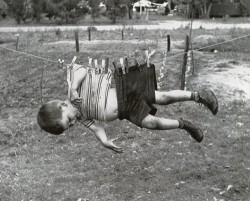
(65, 10)
(3, 6)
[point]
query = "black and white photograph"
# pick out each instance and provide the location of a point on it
(124, 100)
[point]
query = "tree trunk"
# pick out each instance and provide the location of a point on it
(114, 16)
(208, 11)
(169, 4)
(205, 9)
(130, 11)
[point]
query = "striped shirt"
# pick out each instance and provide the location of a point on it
(94, 92)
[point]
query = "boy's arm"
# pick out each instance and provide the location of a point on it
(102, 137)
(78, 77)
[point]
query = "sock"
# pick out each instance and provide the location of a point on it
(195, 96)
(181, 123)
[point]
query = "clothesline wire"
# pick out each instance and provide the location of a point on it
(176, 55)
(28, 54)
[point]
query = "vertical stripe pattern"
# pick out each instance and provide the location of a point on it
(94, 92)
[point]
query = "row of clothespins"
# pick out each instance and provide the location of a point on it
(104, 67)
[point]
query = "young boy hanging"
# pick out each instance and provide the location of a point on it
(134, 98)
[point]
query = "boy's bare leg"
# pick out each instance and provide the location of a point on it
(204, 96)
(158, 123)
(168, 97)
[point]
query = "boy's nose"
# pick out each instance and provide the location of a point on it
(72, 123)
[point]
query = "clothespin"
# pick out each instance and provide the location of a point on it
(97, 69)
(137, 64)
(147, 57)
(106, 67)
(126, 65)
(70, 66)
(103, 65)
(136, 61)
(151, 53)
(61, 62)
(122, 65)
(70, 74)
(116, 69)
(90, 62)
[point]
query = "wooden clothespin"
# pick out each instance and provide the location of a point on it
(147, 57)
(106, 67)
(122, 65)
(136, 62)
(90, 62)
(70, 66)
(70, 74)
(60, 62)
(97, 69)
(126, 65)
(151, 53)
(116, 69)
(103, 65)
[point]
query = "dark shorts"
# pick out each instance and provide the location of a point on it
(136, 93)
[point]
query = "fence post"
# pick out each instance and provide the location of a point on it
(17, 41)
(77, 40)
(122, 34)
(184, 63)
(89, 30)
(42, 38)
(169, 42)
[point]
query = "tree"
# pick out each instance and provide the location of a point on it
(21, 10)
(95, 10)
(70, 10)
(38, 9)
(3, 6)
(198, 7)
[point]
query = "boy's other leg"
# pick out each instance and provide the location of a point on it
(204, 96)
(168, 97)
(157, 123)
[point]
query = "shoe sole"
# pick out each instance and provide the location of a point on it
(214, 111)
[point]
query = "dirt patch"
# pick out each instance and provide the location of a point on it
(229, 78)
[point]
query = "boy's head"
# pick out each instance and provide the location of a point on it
(57, 116)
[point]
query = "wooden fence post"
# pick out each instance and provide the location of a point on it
(89, 30)
(184, 63)
(77, 40)
(122, 34)
(17, 41)
(169, 42)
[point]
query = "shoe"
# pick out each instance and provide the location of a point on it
(193, 130)
(207, 98)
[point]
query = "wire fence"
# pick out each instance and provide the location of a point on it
(32, 53)
(22, 41)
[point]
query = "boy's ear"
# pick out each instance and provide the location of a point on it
(62, 104)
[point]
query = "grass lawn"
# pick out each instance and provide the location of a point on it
(156, 165)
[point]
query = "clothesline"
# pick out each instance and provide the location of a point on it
(176, 55)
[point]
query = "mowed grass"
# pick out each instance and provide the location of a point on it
(156, 165)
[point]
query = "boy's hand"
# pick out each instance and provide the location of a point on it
(75, 99)
(110, 145)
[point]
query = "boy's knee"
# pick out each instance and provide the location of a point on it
(150, 122)
(163, 98)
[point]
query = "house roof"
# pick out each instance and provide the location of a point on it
(144, 3)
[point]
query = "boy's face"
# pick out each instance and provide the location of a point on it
(69, 114)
